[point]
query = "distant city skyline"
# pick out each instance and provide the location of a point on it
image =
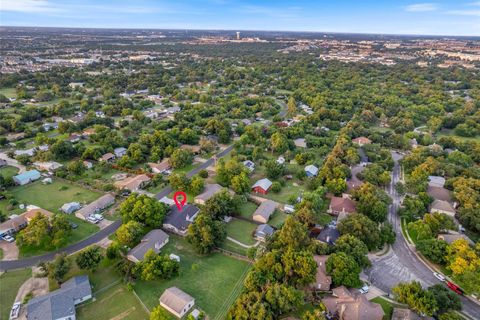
(450, 18)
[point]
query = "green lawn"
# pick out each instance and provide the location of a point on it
(387, 307)
(285, 193)
(51, 197)
(242, 231)
(277, 219)
(233, 247)
(247, 209)
(9, 92)
(215, 280)
(10, 282)
(185, 169)
(8, 171)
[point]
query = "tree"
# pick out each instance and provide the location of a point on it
(205, 233)
(422, 230)
(36, 233)
(179, 181)
(274, 169)
(450, 315)
(387, 234)
(293, 234)
(353, 247)
(59, 267)
(419, 300)
(129, 233)
(158, 313)
(220, 205)
(446, 299)
(344, 270)
(291, 107)
(89, 259)
(316, 314)
(372, 202)
(180, 158)
(363, 228)
(278, 142)
(197, 185)
(435, 250)
(282, 298)
(240, 183)
(155, 266)
(143, 209)
(250, 305)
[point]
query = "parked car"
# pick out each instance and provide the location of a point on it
(15, 310)
(289, 208)
(439, 276)
(364, 289)
(92, 219)
(97, 216)
(8, 238)
(454, 288)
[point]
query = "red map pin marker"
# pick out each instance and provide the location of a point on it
(182, 202)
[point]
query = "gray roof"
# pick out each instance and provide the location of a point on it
(263, 231)
(436, 181)
(442, 206)
(328, 235)
(59, 303)
(265, 209)
(264, 183)
(178, 219)
(210, 191)
(149, 241)
(175, 299)
(97, 205)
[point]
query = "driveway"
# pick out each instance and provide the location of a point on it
(10, 250)
(12, 162)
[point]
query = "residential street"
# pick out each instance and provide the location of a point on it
(401, 264)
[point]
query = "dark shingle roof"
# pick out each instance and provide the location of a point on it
(180, 219)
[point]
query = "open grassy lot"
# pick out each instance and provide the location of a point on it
(215, 280)
(114, 303)
(233, 247)
(52, 196)
(9, 92)
(277, 218)
(247, 209)
(8, 171)
(10, 282)
(242, 231)
(288, 190)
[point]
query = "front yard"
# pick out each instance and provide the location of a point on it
(215, 280)
(10, 282)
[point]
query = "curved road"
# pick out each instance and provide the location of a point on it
(401, 264)
(33, 261)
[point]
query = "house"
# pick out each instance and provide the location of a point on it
(361, 141)
(250, 165)
(28, 152)
(209, 191)
(155, 240)
(75, 85)
(74, 138)
(288, 208)
(70, 207)
(88, 164)
(165, 200)
(262, 186)
(341, 205)
(345, 305)
(176, 301)
(47, 180)
(47, 126)
(60, 304)
(47, 166)
(264, 211)
(160, 167)
(311, 171)
(26, 177)
(281, 160)
(120, 152)
(453, 236)
(107, 157)
(133, 184)
(88, 132)
(95, 206)
(328, 235)
(441, 206)
(263, 232)
(18, 222)
(178, 221)
(436, 181)
(322, 280)
(404, 314)
(43, 147)
(300, 143)
(439, 193)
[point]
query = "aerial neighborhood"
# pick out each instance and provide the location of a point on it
(165, 174)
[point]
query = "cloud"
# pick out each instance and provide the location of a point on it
(27, 6)
(475, 13)
(421, 7)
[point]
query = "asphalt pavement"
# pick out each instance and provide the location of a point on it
(401, 264)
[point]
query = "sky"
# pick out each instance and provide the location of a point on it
(452, 17)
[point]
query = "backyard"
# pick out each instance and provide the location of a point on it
(10, 282)
(8, 171)
(242, 231)
(215, 280)
(247, 209)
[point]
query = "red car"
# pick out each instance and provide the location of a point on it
(454, 288)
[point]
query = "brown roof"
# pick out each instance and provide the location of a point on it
(342, 204)
(352, 306)
(439, 193)
(190, 148)
(362, 140)
(162, 166)
(23, 218)
(440, 205)
(321, 277)
(107, 156)
(132, 183)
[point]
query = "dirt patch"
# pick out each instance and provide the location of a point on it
(111, 295)
(123, 314)
(10, 250)
(35, 286)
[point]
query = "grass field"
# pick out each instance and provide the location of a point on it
(242, 231)
(215, 280)
(233, 247)
(386, 305)
(9, 92)
(247, 209)
(277, 219)
(451, 133)
(8, 171)
(51, 197)
(287, 191)
(10, 282)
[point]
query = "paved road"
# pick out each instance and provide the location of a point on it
(33, 261)
(167, 190)
(401, 264)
